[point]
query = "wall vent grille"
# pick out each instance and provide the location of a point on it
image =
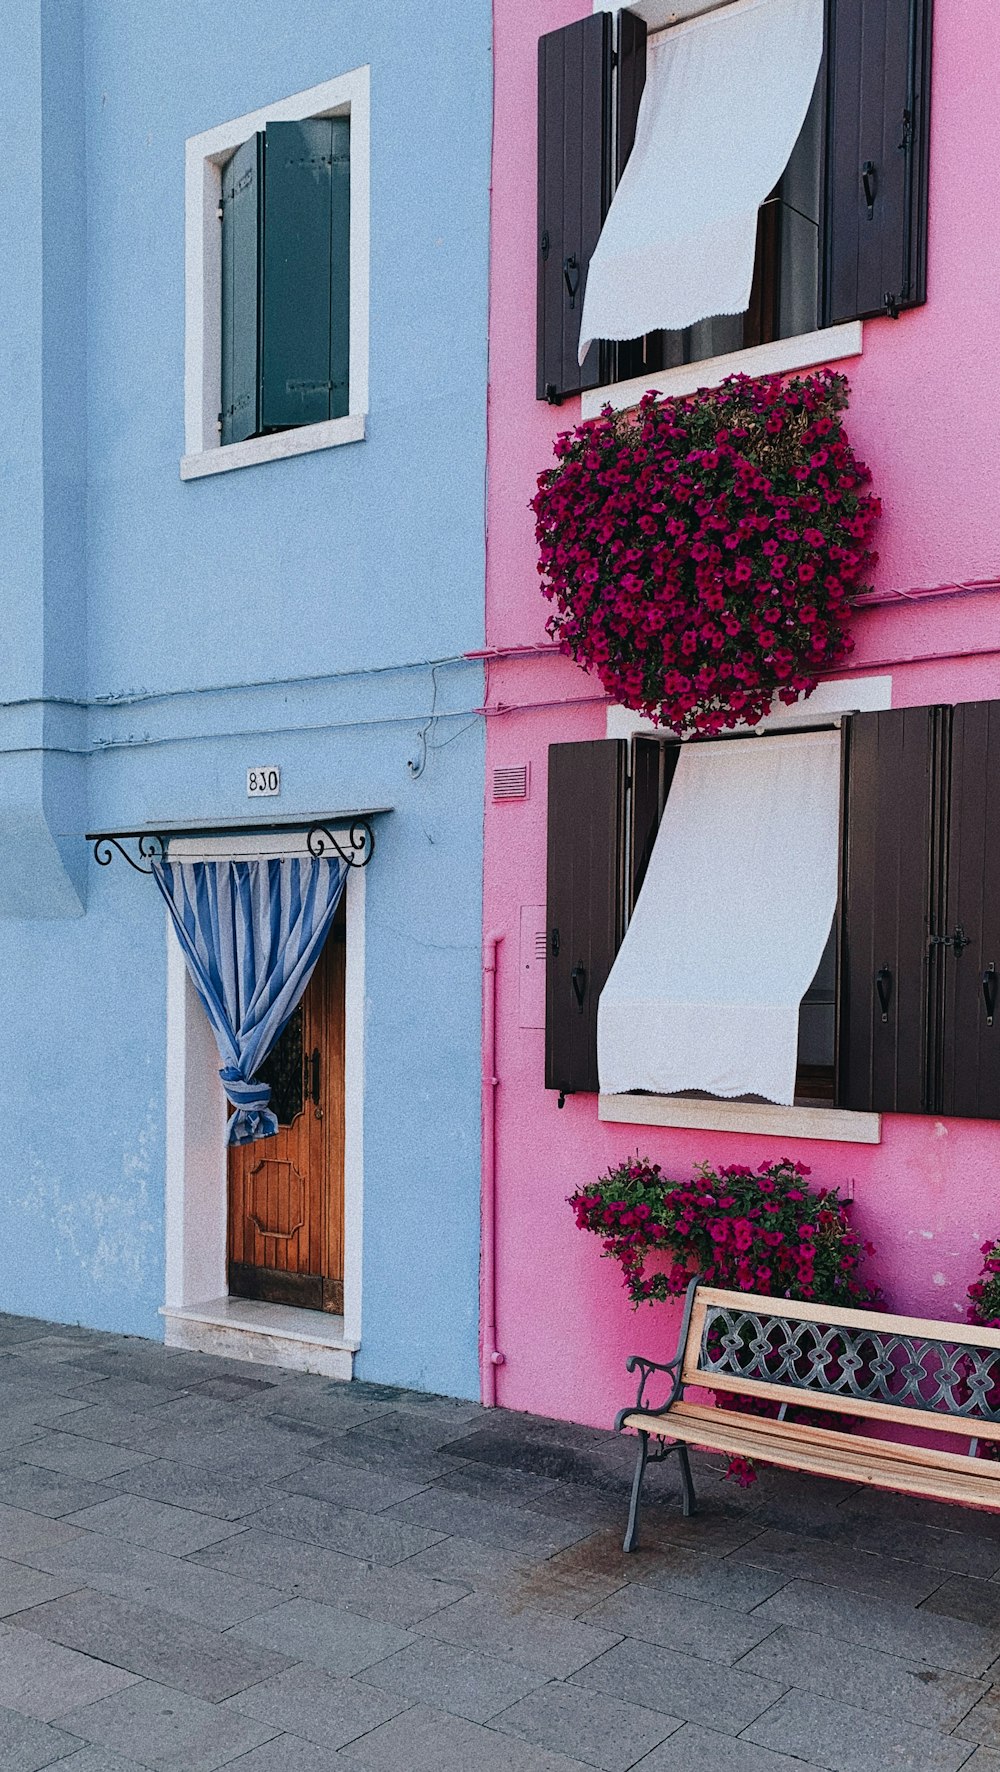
(511, 784)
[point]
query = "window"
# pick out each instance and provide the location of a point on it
(276, 346)
(902, 1014)
(841, 237)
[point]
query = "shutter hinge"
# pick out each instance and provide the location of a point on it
(614, 58)
(907, 142)
(218, 424)
(219, 212)
(545, 243)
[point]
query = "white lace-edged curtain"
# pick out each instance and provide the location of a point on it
(725, 98)
(731, 922)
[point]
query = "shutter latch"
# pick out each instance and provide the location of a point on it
(958, 940)
(571, 277)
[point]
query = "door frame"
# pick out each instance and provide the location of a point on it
(195, 1170)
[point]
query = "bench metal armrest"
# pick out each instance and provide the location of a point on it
(646, 1368)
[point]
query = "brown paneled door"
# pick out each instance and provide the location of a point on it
(286, 1194)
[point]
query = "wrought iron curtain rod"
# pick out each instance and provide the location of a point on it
(356, 849)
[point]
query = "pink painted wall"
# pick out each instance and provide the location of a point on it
(926, 415)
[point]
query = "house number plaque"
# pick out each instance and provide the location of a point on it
(261, 782)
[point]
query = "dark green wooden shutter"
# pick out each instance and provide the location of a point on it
(889, 901)
(585, 902)
(574, 190)
(306, 285)
(241, 255)
(970, 982)
(878, 116)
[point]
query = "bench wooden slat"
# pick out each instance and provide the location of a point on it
(883, 1322)
(704, 1416)
(972, 1426)
(742, 1435)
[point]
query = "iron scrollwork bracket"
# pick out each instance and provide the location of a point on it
(360, 843)
(148, 845)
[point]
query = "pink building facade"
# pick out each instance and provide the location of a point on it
(925, 415)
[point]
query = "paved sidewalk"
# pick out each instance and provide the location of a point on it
(210, 1564)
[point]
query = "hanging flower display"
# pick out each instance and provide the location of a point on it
(703, 552)
(758, 1230)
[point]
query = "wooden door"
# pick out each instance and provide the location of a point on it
(286, 1194)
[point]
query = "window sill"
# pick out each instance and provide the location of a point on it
(830, 345)
(275, 447)
(835, 1125)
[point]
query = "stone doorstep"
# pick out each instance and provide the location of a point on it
(263, 1334)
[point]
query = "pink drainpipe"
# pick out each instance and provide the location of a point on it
(489, 1357)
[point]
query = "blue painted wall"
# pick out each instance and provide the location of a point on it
(161, 636)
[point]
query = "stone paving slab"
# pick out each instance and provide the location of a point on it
(156, 1525)
(462, 1681)
(154, 1644)
(859, 1675)
(172, 1731)
(207, 1564)
(425, 1740)
(325, 1710)
(547, 1642)
(27, 1746)
(681, 1685)
(324, 1636)
(111, 1567)
(43, 1680)
(694, 1749)
(845, 1739)
(602, 1731)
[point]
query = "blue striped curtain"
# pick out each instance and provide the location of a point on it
(251, 932)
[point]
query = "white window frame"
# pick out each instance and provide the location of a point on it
(205, 157)
(834, 1125)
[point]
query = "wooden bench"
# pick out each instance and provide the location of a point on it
(916, 1373)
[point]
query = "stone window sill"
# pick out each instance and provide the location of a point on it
(834, 1125)
(276, 447)
(829, 345)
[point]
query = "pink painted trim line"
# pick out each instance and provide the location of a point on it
(970, 588)
(541, 650)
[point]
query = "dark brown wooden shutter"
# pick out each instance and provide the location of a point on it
(653, 763)
(890, 890)
(631, 80)
(970, 981)
(585, 905)
(574, 190)
(878, 114)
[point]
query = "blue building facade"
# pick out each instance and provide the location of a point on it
(310, 609)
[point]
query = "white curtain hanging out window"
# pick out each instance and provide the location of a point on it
(731, 922)
(725, 98)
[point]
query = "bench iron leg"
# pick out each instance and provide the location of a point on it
(690, 1499)
(632, 1529)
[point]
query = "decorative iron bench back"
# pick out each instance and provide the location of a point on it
(858, 1362)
